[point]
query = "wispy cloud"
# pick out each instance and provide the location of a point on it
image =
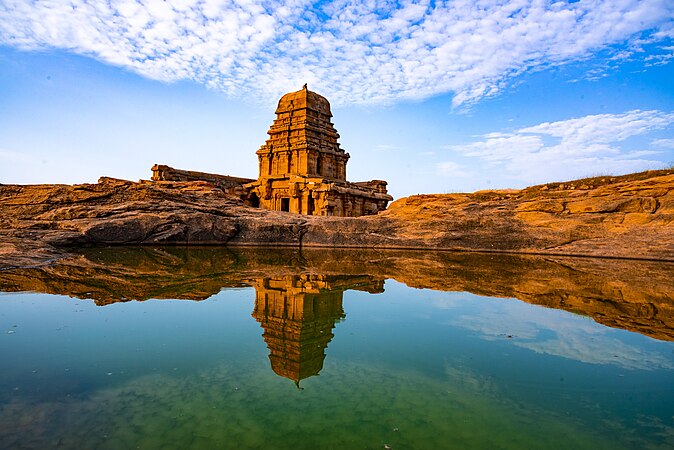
(16, 157)
(664, 57)
(663, 143)
(571, 148)
(552, 332)
(454, 170)
(354, 51)
(386, 147)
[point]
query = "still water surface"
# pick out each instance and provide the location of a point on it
(250, 349)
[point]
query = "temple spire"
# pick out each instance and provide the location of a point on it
(303, 168)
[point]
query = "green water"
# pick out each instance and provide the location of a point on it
(406, 368)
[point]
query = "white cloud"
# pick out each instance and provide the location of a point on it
(663, 143)
(571, 148)
(386, 147)
(659, 59)
(16, 157)
(353, 51)
(454, 170)
(558, 333)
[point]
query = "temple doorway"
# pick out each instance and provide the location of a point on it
(310, 205)
(254, 201)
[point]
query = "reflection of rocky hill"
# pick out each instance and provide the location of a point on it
(634, 295)
(122, 274)
(298, 313)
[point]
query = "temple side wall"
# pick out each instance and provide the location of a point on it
(162, 172)
(303, 162)
(315, 197)
(302, 168)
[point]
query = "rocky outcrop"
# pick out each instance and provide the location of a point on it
(630, 217)
(627, 294)
(35, 219)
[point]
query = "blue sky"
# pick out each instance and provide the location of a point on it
(431, 96)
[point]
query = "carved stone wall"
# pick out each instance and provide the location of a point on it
(232, 185)
(317, 196)
(302, 140)
(303, 168)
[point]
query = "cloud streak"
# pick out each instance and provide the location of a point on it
(552, 332)
(364, 52)
(572, 148)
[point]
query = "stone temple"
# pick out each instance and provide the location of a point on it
(303, 168)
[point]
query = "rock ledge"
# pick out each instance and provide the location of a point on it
(630, 216)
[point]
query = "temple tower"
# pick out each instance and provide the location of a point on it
(303, 169)
(302, 140)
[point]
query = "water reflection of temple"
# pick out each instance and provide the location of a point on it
(298, 313)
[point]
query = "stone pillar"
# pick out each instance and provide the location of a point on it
(282, 163)
(342, 169)
(321, 205)
(319, 164)
(348, 206)
(358, 207)
(296, 205)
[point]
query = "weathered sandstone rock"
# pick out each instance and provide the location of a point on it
(630, 216)
(229, 184)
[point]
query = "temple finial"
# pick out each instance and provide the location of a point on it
(305, 87)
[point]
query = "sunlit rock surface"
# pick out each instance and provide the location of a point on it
(630, 216)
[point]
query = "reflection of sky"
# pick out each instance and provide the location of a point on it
(188, 371)
(550, 331)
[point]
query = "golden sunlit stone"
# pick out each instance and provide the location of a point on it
(303, 169)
